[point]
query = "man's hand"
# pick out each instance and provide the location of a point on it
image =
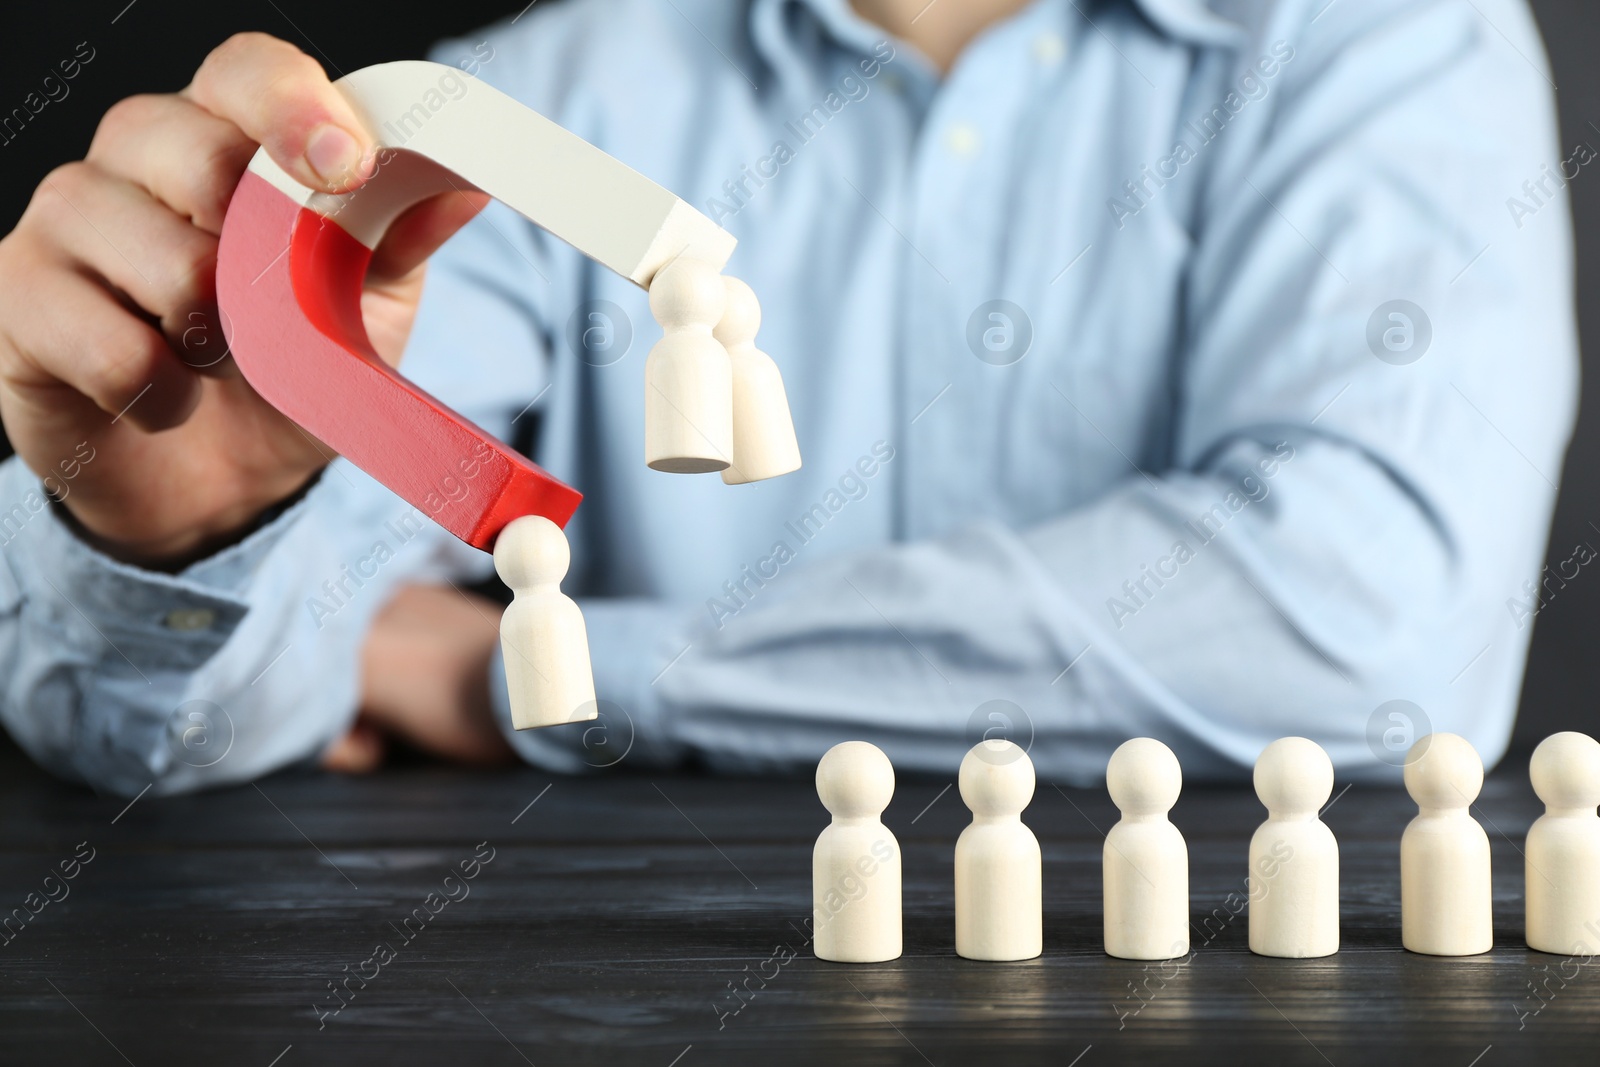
(109, 338)
(425, 681)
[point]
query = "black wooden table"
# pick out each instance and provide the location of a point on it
(660, 921)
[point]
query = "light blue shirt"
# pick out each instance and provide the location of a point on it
(1263, 437)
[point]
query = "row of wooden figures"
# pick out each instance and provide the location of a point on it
(1445, 898)
(713, 402)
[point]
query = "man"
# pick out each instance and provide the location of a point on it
(1201, 372)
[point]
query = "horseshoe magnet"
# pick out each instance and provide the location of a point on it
(291, 264)
(290, 269)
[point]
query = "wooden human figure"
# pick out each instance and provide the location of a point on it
(1145, 861)
(855, 867)
(764, 444)
(542, 636)
(688, 393)
(1294, 859)
(999, 872)
(1563, 848)
(1445, 898)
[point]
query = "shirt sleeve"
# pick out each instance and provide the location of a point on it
(248, 661)
(1373, 395)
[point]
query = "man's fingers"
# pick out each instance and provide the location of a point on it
(96, 347)
(113, 229)
(281, 98)
(420, 230)
(121, 233)
(360, 751)
(188, 158)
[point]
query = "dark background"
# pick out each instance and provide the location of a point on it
(154, 45)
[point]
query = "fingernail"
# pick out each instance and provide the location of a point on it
(334, 155)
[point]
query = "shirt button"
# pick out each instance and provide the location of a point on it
(190, 619)
(962, 139)
(1048, 49)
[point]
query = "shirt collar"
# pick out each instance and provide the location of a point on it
(776, 25)
(1193, 21)
(787, 32)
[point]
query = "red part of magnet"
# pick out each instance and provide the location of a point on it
(289, 285)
